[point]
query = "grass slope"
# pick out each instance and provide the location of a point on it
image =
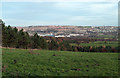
(18, 62)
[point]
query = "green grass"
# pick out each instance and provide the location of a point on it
(98, 43)
(107, 36)
(64, 64)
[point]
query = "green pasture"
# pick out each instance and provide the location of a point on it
(22, 62)
(98, 43)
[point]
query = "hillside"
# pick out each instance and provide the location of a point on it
(72, 31)
(21, 62)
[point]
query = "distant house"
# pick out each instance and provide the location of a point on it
(60, 36)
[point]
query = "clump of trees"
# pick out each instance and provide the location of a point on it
(11, 37)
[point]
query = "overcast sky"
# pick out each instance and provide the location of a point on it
(92, 13)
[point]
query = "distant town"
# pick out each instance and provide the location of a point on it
(73, 31)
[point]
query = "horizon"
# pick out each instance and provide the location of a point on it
(60, 13)
(61, 25)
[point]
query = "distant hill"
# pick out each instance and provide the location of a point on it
(69, 31)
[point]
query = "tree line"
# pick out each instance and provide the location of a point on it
(13, 38)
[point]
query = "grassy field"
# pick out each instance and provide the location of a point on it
(98, 43)
(18, 62)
